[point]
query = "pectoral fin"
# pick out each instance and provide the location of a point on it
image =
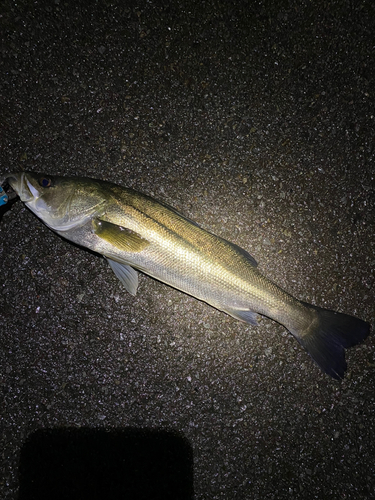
(126, 274)
(122, 238)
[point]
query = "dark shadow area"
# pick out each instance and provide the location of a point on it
(106, 464)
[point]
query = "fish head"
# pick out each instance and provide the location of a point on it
(62, 203)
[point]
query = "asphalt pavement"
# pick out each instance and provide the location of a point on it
(256, 120)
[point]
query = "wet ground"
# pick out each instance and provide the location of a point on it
(257, 121)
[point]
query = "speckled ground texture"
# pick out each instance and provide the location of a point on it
(257, 121)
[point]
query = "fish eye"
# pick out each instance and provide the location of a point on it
(45, 182)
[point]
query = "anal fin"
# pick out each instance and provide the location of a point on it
(243, 315)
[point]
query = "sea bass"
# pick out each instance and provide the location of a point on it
(134, 231)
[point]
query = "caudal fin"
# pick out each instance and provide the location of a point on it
(327, 340)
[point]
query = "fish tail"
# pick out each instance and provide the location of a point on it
(329, 336)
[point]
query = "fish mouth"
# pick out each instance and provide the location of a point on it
(21, 185)
(7, 193)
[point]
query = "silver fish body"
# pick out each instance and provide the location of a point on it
(133, 230)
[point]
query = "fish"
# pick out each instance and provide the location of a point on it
(134, 232)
